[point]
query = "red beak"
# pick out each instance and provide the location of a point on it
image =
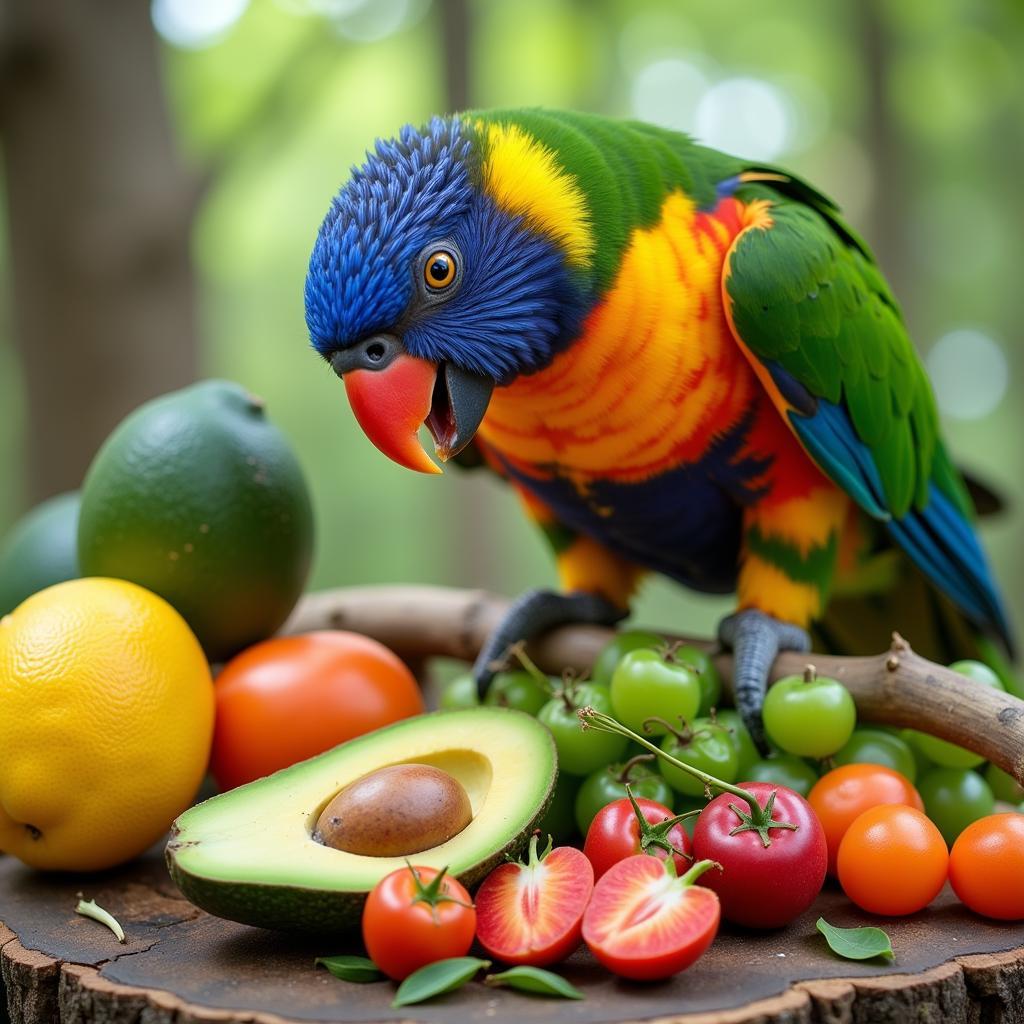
(391, 405)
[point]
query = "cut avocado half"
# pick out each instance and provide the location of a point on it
(248, 855)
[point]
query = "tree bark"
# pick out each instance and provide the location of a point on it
(100, 209)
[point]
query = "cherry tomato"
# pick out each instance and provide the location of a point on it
(892, 860)
(614, 835)
(706, 746)
(953, 798)
(607, 784)
(843, 794)
(647, 683)
(531, 912)
(519, 690)
(784, 770)
(460, 692)
(580, 752)
(759, 886)
(414, 916)
(617, 648)
(289, 698)
(646, 923)
(1003, 785)
(808, 715)
(746, 752)
(986, 866)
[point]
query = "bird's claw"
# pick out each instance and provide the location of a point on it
(534, 612)
(755, 640)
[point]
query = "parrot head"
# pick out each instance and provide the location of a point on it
(429, 285)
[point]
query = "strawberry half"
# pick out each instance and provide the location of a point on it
(531, 912)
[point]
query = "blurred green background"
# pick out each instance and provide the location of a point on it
(236, 121)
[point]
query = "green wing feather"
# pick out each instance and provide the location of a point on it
(807, 297)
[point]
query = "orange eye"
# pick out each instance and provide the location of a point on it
(439, 270)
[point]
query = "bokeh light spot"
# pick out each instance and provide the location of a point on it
(745, 116)
(667, 92)
(969, 373)
(195, 24)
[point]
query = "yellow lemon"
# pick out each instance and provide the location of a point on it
(106, 719)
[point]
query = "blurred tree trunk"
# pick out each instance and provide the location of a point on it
(99, 210)
(887, 147)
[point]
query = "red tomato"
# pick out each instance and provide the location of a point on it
(645, 923)
(892, 860)
(415, 916)
(762, 886)
(986, 866)
(614, 834)
(843, 794)
(290, 698)
(532, 912)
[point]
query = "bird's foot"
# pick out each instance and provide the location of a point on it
(534, 612)
(755, 639)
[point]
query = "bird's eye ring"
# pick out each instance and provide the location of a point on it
(440, 270)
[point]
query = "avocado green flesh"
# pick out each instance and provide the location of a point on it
(249, 855)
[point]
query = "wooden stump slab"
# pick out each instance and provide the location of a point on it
(181, 966)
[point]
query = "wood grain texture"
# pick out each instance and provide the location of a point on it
(181, 966)
(895, 687)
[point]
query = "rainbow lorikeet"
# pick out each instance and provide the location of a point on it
(683, 362)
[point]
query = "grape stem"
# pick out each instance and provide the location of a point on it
(760, 819)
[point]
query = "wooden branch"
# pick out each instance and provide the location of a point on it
(897, 688)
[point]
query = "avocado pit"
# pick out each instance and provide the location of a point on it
(394, 812)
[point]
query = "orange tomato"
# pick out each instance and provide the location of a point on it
(892, 860)
(986, 866)
(290, 698)
(842, 794)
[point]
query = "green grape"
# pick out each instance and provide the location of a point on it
(1003, 785)
(707, 675)
(746, 752)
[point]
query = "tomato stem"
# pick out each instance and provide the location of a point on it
(656, 835)
(760, 818)
(431, 893)
(698, 869)
(810, 674)
(623, 777)
(683, 735)
(518, 651)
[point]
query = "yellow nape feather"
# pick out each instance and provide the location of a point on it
(524, 178)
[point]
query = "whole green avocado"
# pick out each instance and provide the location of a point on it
(40, 550)
(198, 497)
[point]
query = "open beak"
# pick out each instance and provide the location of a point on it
(393, 394)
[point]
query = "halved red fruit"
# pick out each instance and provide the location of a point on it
(646, 923)
(532, 912)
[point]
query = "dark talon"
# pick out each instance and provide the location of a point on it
(755, 639)
(535, 612)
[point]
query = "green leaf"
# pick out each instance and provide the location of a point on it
(533, 979)
(351, 968)
(438, 977)
(856, 943)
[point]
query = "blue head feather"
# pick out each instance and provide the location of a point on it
(518, 302)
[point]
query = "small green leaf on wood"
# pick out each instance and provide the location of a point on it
(536, 981)
(436, 978)
(856, 943)
(351, 968)
(90, 908)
